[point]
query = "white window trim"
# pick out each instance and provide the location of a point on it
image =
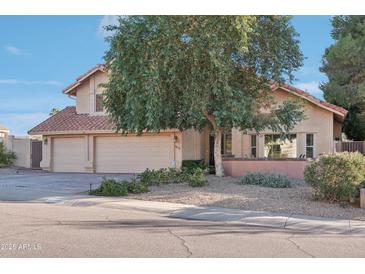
(98, 112)
(314, 145)
(251, 146)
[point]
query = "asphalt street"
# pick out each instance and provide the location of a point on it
(33, 229)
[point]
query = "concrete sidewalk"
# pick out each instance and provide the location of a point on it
(310, 224)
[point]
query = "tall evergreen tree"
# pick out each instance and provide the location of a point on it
(344, 65)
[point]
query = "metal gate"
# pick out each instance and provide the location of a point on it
(36, 154)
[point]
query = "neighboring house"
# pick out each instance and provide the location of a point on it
(4, 132)
(82, 139)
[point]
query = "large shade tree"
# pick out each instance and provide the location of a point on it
(344, 65)
(201, 71)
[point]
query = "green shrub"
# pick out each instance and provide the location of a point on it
(197, 177)
(160, 176)
(6, 158)
(266, 179)
(192, 176)
(336, 177)
(193, 164)
(111, 187)
(135, 186)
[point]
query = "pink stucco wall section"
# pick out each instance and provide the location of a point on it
(239, 167)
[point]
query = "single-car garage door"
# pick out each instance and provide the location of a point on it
(133, 154)
(68, 154)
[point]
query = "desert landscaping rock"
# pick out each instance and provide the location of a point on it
(225, 192)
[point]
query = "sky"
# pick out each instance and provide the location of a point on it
(41, 55)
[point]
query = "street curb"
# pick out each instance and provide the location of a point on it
(290, 222)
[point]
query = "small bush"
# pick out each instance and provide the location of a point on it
(111, 187)
(266, 179)
(197, 178)
(6, 158)
(336, 177)
(194, 164)
(135, 186)
(194, 177)
(159, 177)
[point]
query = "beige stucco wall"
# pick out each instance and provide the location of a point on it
(337, 130)
(21, 146)
(240, 167)
(46, 153)
(82, 98)
(85, 93)
(193, 145)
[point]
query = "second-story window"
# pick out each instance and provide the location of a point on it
(99, 106)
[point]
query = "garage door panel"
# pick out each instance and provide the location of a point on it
(133, 154)
(68, 154)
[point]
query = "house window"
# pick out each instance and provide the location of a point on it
(253, 146)
(309, 148)
(277, 147)
(99, 106)
(227, 143)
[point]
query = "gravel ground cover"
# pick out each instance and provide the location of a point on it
(225, 192)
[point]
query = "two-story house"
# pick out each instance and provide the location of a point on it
(82, 139)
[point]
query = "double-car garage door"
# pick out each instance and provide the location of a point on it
(114, 154)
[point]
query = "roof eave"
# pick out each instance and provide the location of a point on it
(312, 101)
(82, 132)
(80, 79)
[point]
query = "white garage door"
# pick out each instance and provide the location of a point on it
(68, 154)
(133, 154)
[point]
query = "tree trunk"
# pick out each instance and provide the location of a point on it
(219, 170)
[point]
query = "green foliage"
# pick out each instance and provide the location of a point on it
(173, 71)
(160, 176)
(54, 111)
(193, 164)
(6, 158)
(111, 187)
(266, 179)
(343, 63)
(197, 177)
(194, 177)
(196, 71)
(337, 177)
(135, 186)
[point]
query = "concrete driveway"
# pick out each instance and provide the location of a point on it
(28, 185)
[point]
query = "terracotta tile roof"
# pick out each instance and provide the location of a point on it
(98, 67)
(309, 97)
(68, 120)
